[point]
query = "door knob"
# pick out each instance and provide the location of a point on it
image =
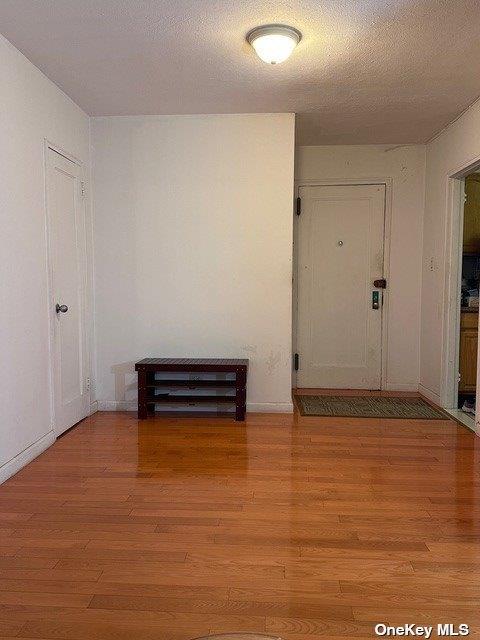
(61, 308)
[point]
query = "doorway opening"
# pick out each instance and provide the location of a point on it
(460, 384)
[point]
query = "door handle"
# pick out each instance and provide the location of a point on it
(61, 308)
(375, 299)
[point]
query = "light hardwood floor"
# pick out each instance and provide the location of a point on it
(302, 527)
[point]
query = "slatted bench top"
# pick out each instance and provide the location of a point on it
(208, 363)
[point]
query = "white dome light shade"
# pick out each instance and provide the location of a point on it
(274, 43)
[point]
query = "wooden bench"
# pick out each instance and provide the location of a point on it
(154, 391)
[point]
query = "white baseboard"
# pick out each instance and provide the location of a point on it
(258, 407)
(116, 405)
(393, 386)
(14, 465)
(429, 394)
(270, 407)
(93, 408)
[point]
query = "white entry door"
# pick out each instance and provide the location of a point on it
(67, 251)
(340, 255)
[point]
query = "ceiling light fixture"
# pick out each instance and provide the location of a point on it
(274, 43)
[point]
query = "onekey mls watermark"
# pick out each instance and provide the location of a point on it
(441, 630)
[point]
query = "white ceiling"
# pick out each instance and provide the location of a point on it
(366, 71)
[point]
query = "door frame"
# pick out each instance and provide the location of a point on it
(455, 186)
(87, 288)
(342, 182)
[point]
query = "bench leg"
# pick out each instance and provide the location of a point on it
(142, 395)
(240, 397)
(240, 412)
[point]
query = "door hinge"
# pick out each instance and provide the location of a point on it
(299, 206)
(296, 361)
(87, 384)
(82, 189)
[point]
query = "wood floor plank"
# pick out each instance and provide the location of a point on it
(168, 529)
(317, 627)
(48, 574)
(12, 562)
(44, 599)
(252, 607)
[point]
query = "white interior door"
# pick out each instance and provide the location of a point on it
(340, 254)
(67, 250)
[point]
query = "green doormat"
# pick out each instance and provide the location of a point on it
(368, 407)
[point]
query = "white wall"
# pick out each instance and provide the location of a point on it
(453, 150)
(32, 109)
(193, 247)
(405, 166)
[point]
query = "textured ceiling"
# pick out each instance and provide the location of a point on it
(366, 71)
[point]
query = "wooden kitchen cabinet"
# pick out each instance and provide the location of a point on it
(468, 352)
